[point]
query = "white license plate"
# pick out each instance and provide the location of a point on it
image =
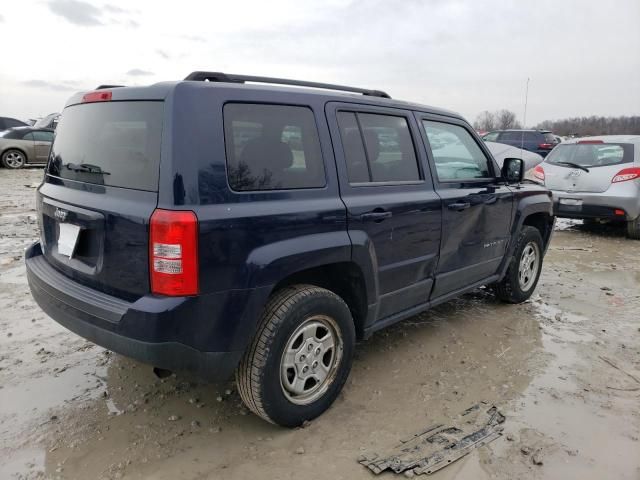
(67, 239)
(575, 202)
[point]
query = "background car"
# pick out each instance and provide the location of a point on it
(22, 146)
(596, 179)
(8, 122)
(49, 122)
(537, 141)
(500, 151)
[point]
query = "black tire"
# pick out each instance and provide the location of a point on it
(633, 229)
(510, 289)
(258, 375)
(13, 159)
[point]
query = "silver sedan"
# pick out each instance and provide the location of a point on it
(22, 146)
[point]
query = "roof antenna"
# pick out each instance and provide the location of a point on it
(524, 120)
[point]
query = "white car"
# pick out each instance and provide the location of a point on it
(596, 179)
(500, 151)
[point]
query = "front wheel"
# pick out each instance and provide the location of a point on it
(13, 159)
(524, 268)
(300, 357)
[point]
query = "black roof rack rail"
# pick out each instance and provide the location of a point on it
(233, 78)
(102, 87)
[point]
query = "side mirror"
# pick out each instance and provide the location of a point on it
(513, 170)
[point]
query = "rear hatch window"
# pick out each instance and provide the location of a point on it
(589, 155)
(109, 143)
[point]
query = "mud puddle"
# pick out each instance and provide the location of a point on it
(72, 410)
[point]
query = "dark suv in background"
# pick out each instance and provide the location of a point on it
(537, 141)
(219, 226)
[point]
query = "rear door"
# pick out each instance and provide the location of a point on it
(600, 162)
(477, 208)
(27, 145)
(99, 192)
(42, 140)
(392, 209)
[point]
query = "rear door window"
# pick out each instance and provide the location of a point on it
(272, 147)
(377, 148)
(43, 136)
(591, 154)
(109, 143)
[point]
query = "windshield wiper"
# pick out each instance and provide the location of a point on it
(87, 168)
(574, 165)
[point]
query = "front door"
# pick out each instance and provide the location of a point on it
(477, 207)
(394, 215)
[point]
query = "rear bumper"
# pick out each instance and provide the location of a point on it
(175, 333)
(596, 205)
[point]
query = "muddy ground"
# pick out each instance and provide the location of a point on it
(564, 368)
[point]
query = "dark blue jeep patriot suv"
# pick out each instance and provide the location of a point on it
(220, 224)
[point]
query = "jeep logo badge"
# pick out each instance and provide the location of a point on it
(574, 173)
(61, 214)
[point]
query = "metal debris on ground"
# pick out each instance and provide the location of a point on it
(440, 445)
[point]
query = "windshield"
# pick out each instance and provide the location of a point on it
(591, 154)
(109, 143)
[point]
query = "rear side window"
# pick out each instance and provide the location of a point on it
(109, 143)
(591, 154)
(272, 147)
(457, 156)
(378, 148)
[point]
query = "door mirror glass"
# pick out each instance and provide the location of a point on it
(513, 170)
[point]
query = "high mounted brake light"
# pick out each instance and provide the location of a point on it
(590, 142)
(97, 96)
(538, 172)
(626, 174)
(173, 252)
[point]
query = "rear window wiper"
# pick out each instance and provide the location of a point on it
(574, 165)
(87, 168)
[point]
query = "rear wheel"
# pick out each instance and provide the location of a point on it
(13, 159)
(633, 229)
(300, 357)
(524, 268)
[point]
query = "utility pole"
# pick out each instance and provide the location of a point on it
(524, 119)
(526, 98)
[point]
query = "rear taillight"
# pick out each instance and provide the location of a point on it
(538, 172)
(97, 96)
(626, 174)
(173, 252)
(546, 146)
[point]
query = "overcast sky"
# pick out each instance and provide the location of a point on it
(582, 56)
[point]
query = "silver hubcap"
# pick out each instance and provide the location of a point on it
(310, 360)
(14, 159)
(528, 269)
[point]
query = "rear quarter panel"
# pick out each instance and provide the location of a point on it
(247, 239)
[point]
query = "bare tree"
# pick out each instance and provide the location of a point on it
(506, 119)
(593, 125)
(485, 121)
